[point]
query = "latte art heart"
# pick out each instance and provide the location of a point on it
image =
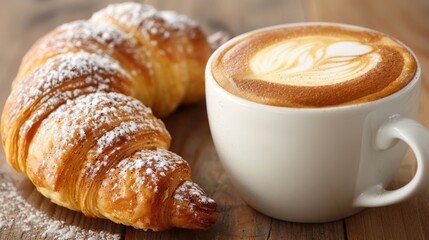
(313, 61)
(313, 66)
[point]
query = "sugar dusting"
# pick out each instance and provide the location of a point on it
(96, 37)
(147, 167)
(79, 119)
(190, 190)
(56, 100)
(84, 108)
(87, 114)
(125, 132)
(64, 68)
(16, 211)
(149, 20)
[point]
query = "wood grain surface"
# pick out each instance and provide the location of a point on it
(23, 22)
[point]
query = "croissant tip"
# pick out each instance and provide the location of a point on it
(192, 208)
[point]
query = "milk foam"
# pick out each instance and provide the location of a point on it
(313, 61)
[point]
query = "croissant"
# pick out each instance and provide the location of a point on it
(80, 120)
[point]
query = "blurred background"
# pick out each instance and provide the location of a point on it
(24, 21)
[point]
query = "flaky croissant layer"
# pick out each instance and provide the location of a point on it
(75, 122)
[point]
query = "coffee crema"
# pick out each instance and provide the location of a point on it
(313, 66)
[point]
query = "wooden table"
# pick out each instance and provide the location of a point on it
(22, 22)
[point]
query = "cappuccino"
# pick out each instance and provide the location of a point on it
(313, 65)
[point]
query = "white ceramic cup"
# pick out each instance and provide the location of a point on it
(317, 164)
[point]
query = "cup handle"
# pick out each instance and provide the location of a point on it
(417, 137)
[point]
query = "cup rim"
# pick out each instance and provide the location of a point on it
(352, 107)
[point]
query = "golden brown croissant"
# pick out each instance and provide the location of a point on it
(73, 126)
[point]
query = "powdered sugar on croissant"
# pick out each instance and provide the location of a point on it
(73, 125)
